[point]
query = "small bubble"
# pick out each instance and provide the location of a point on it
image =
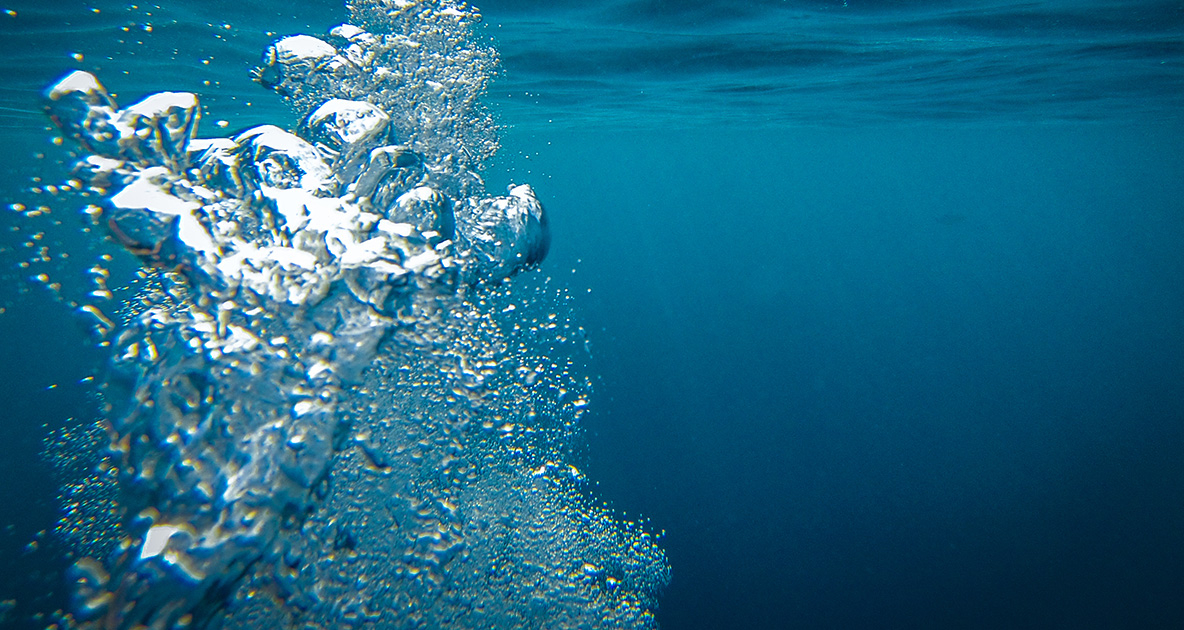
(77, 56)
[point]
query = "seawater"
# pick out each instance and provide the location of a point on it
(881, 304)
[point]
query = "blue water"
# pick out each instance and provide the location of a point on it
(885, 302)
(912, 377)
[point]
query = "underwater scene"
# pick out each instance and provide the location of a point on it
(394, 314)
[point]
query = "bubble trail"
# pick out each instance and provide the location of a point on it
(324, 412)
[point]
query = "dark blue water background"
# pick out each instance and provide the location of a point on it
(886, 302)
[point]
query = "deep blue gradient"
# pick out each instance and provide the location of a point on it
(885, 302)
(913, 377)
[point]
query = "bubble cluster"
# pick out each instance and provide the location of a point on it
(396, 53)
(323, 408)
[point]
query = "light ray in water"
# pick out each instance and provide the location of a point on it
(323, 412)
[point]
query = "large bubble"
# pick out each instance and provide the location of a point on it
(326, 410)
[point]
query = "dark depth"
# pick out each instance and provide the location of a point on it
(893, 378)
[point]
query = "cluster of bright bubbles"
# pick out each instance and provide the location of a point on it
(324, 413)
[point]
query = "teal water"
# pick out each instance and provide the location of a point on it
(911, 377)
(884, 302)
